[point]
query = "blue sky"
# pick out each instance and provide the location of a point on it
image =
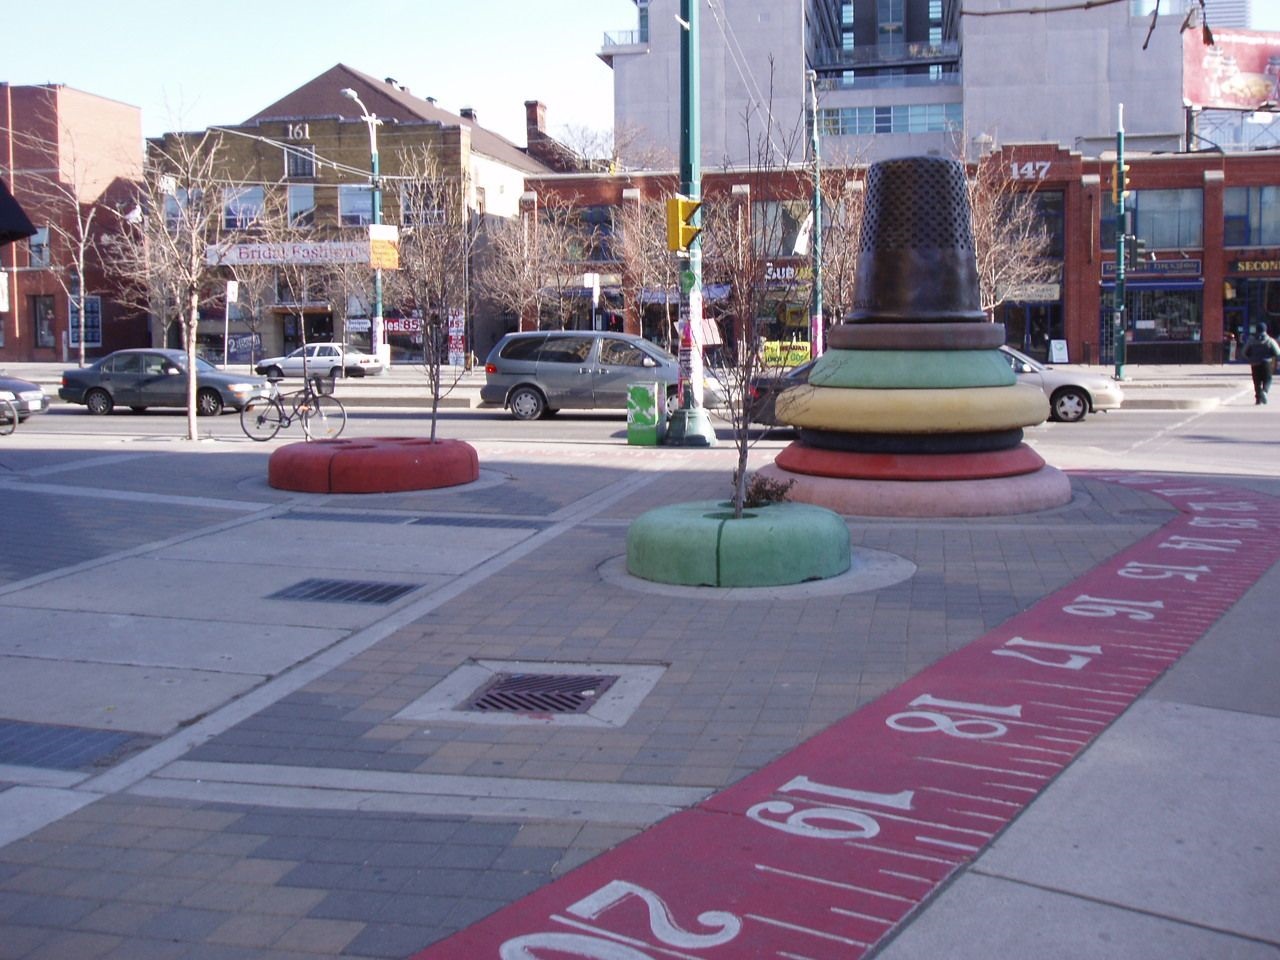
(189, 69)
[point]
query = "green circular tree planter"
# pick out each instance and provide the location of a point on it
(702, 544)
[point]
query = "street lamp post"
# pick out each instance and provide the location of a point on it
(377, 336)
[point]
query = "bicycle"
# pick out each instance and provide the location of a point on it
(8, 417)
(320, 412)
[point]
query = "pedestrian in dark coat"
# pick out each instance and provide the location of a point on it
(1260, 353)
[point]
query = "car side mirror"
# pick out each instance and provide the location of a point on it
(171, 369)
(648, 362)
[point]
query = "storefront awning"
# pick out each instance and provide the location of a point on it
(14, 223)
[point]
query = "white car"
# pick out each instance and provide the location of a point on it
(1071, 393)
(323, 359)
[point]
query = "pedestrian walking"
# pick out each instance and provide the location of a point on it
(1260, 353)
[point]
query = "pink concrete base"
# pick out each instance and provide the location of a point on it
(372, 465)
(842, 464)
(995, 497)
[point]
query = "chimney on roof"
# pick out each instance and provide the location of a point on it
(468, 113)
(431, 100)
(535, 119)
(396, 84)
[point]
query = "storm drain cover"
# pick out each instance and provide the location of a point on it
(344, 591)
(539, 693)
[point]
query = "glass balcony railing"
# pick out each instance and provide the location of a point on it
(887, 55)
(890, 81)
(626, 38)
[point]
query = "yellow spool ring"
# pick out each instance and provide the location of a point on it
(968, 410)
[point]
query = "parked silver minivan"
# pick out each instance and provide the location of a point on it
(540, 372)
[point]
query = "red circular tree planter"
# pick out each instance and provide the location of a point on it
(372, 465)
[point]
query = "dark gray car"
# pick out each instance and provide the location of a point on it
(544, 371)
(138, 379)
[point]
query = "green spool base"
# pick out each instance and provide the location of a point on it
(701, 544)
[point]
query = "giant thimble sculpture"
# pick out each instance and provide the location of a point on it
(914, 411)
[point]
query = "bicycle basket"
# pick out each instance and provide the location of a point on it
(323, 385)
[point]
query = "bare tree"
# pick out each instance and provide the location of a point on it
(647, 264)
(169, 258)
(622, 148)
(1010, 240)
(66, 195)
(436, 241)
(842, 196)
(532, 267)
(759, 219)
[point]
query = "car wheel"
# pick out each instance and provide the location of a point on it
(99, 402)
(273, 373)
(335, 373)
(1069, 404)
(673, 401)
(526, 403)
(208, 403)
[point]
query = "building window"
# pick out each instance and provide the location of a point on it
(42, 317)
(302, 205)
(300, 161)
(1252, 217)
(355, 205)
(418, 205)
(1165, 219)
(38, 248)
(903, 118)
(241, 207)
(889, 22)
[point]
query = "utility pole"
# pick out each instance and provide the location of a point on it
(816, 345)
(690, 426)
(1118, 186)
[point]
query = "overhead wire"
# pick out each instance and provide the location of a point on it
(754, 94)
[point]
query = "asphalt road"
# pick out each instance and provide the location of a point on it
(1235, 434)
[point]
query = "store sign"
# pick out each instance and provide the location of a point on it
(239, 254)
(1157, 268)
(384, 250)
(1256, 267)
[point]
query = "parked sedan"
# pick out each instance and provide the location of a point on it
(138, 379)
(762, 392)
(26, 396)
(1072, 393)
(320, 359)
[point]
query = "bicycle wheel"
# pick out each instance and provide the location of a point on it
(8, 417)
(261, 419)
(324, 418)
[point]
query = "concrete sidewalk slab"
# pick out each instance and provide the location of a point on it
(1175, 826)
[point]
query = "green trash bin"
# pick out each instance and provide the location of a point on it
(645, 421)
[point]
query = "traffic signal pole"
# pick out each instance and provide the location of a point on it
(1118, 314)
(690, 426)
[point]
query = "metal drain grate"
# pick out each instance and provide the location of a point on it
(512, 522)
(539, 693)
(394, 519)
(64, 748)
(344, 591)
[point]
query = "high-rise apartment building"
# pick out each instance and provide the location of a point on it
(908, 77)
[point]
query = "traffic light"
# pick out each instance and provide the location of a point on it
(1135, 252)
(680, 232)
(1119, 174)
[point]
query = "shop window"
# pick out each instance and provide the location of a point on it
(38, 248)
(1251, 216)
(300, 161)
(302, 205)
(355, 205)
(242, 207)
(1165, 219)
(43, 317)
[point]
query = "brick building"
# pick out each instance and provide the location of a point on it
(68, 158)
(309, 153)
(1210, 222)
